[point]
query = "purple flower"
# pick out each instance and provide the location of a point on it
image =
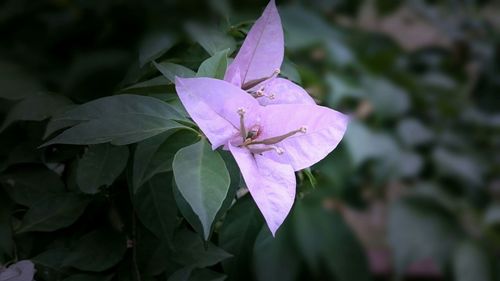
(271, 126)
(22, 271)
(257, 64)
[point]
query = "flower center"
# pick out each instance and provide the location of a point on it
(250, 141)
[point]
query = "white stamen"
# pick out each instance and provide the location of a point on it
(277, 71)
(303, 129)
(241, 111)
(271, 96)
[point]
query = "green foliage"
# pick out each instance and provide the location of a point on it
(203, 180)
(104, 177)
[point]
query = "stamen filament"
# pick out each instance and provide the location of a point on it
(243, 131)
(253, 83)
(275, 140)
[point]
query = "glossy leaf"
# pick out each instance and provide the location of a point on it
(100, 166)
(156, 208)
(203, 180)
(154, 45)
(121, 119)
(29, 185)
(36, 108)
(241, 226)
(97, 251)
(172, 70)
(211, 39)
(215, 66)
(155, 155)
(52, 212)
(191, 250)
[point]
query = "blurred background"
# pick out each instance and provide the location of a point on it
(412, 192)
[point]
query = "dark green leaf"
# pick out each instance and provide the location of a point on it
(171, 70)
(325, 237)
(121, 119)
(211, 39)
(215, 66)
(100, 166)
(289, 70)
(237, 235)
(203, 180)
(420, 229)
(89, 277)
(52, 212)
(97, 251)
(155, 155)
(158, 84)
(192, 250)
(273, 257)
(29, 185)
(6, 239)
(36, 108)
(155, 206)
(154, 45)
(471, 263)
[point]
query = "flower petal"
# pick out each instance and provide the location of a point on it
(213, 104)
(262, 51)
(271, 184)
(325, 128)
(283, 91)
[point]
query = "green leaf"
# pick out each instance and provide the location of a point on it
(191, 250)
(452, 164)
(420, 229)
(100, 166)
(237, 235)
(211, 39)
(15, 83)
(273, 257)
(52, 212)
(187, 212)
(155, 206)
(52, 258)
(158, 84)
(190, 273)
(388, 99)
(215, 66)
(303, 28)
(471, 263)
(289, 70)
(364, 144)
(325, 237)
(26, 186)
(97, 251)
(89, 277)
(155, 45)
(155, 155)
(413, 133)
(203, 180)
(36, 108)
(6, 239)
(171, 70)
(121, 119)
